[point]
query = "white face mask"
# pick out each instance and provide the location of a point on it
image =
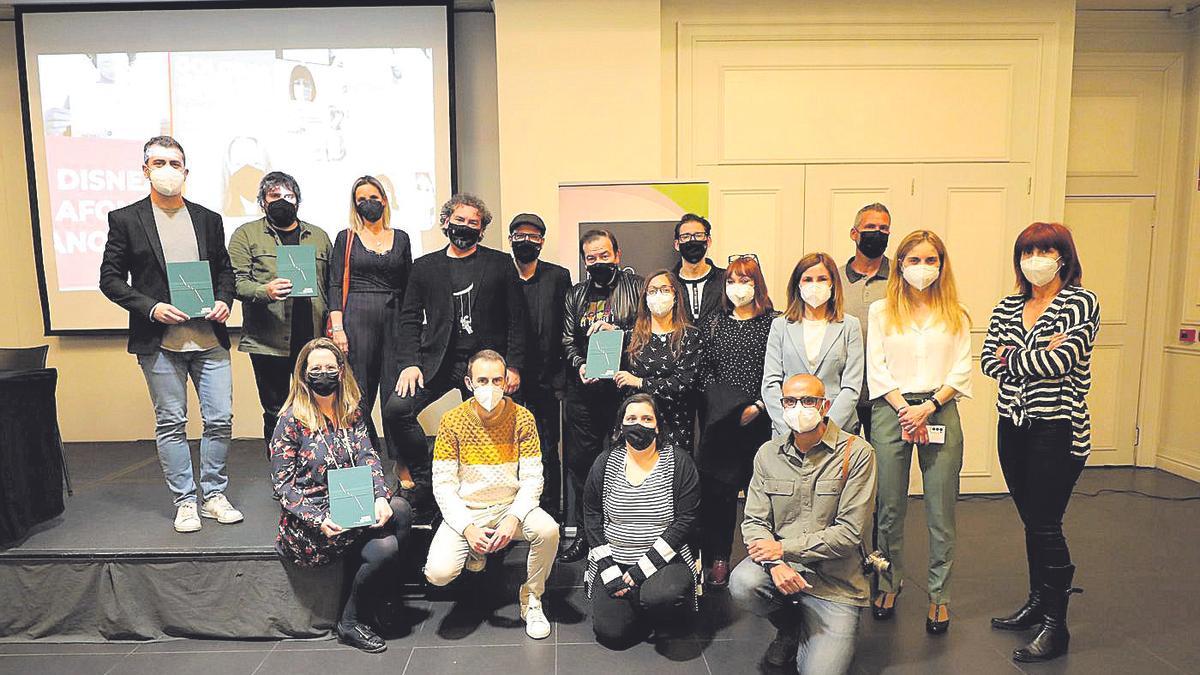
(488, 396)
(740, 294)
(815, 293)
(660, 305)
(1040, 270)
(802, 419)
(167, 180)
(921, 276)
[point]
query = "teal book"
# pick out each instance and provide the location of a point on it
(351, 496)
(604, 354)
(298, 264)
(191, 287)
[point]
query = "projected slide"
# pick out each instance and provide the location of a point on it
(324, 115)
(245, 92)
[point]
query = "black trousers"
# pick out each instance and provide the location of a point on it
(663, 602)
(589, 413)
(718, 512)
(864, 421)
(406, 438)
(273, 377)
(1040, 472)
(368, 321)
(370, 558)
(543, 402)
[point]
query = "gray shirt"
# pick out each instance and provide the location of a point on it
(803, 501)
(858, 292)
(178, 238)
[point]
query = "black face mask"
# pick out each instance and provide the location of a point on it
(370, 210)
(281, 213)
(602, 273)
(637, 436)
(693, 251)
(462, 236)
(526, 251)
(323, 384)
(872, 243)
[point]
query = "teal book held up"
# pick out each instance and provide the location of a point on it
(298, 264)
(191, 287)
(604, 354)
(351, 496)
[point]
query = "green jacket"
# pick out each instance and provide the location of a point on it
(267, 325)
(803, 502)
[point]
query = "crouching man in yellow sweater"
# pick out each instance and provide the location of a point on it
(487, 480)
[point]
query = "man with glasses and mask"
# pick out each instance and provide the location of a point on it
(171, 347)
(700, 277)
(606, 300)
(545, 287)
(809, 502)
(460, 300)
(865, 279)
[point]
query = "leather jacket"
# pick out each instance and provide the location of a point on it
(624, 301)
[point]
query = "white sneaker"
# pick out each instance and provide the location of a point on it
(475, 563)
(186, 519)
(219, 508)
(537, 626)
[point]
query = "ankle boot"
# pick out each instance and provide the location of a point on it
(1029, 615)
(1053, 638)
(576, 551)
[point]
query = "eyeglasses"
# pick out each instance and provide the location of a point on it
(521, 236)
(738, 256)
(659, 291)
(697, 236)
(806, 401)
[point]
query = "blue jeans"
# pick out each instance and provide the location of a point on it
(827, 629)
(167, 375)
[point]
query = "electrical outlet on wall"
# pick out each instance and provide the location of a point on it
(1187, 335)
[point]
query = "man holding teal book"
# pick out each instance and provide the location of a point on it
(146, 240)
(280, 265)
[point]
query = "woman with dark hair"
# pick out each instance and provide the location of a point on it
(663, 357)
(322, 428)
(1039, 349)
(368, 274)
(816, 337)
(640, 504)
(735, 423)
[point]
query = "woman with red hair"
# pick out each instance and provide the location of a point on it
(1039, 350)
(735, 423)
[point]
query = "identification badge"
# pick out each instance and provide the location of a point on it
(937, 433)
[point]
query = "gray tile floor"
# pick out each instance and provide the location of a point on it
(1136, 559)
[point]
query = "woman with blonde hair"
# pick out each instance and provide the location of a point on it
(322, 428)
(816, 337)
(918, 366)
(368, 274)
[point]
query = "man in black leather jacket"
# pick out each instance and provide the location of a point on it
(606, 300)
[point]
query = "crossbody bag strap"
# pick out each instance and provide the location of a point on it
(346, 267)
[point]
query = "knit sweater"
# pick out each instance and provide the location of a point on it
(478, 465)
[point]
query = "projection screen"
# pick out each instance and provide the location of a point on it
(326, 94)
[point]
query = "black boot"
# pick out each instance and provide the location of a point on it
(782, 651)
(576, 551)
(1053, 638)
(1029, 615)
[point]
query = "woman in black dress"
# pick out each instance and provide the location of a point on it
(663, 358)
(735, 419)
(364, 305)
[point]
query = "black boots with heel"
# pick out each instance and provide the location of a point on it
(1053, 638)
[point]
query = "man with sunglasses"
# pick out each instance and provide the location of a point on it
(701, 279)
(809, 501)
(545, 287)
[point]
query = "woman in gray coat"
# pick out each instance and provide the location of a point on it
(815, 337)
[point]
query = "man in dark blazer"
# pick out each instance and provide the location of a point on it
(461, 299)
(171, 347)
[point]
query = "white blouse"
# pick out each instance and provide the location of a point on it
(814, 336)
(920, 359)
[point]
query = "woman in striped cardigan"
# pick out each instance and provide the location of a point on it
(1039, 349)
(640, 505)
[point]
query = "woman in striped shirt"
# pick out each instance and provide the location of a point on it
(639, 507)
(1039, 349)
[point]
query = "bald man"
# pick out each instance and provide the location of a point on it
(809, 501)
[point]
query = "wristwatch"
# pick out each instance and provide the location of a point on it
(937, 405)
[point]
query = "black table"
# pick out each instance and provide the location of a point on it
(32, 466)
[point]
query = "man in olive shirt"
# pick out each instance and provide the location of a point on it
(809, 501)
(865, 280)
